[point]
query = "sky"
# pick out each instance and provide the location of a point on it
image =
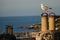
(27, 7)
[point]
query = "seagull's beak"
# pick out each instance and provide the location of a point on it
(50, 8)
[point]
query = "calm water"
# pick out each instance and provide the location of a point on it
(17, 22)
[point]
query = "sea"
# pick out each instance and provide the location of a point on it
(18, 21)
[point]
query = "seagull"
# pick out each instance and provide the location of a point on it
(44, 7)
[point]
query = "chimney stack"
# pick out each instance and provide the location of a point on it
(44, 21)
(51, 21)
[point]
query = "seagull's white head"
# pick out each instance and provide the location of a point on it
(42, 4)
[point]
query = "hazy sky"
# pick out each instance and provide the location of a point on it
(26, 7)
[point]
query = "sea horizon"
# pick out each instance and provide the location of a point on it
(17, 21)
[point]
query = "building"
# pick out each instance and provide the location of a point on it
(47, 27)
(9, 29)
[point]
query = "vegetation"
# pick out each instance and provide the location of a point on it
(7, 37)
(57, 23)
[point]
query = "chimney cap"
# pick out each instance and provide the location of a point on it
(44, 14)
(52, 14)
